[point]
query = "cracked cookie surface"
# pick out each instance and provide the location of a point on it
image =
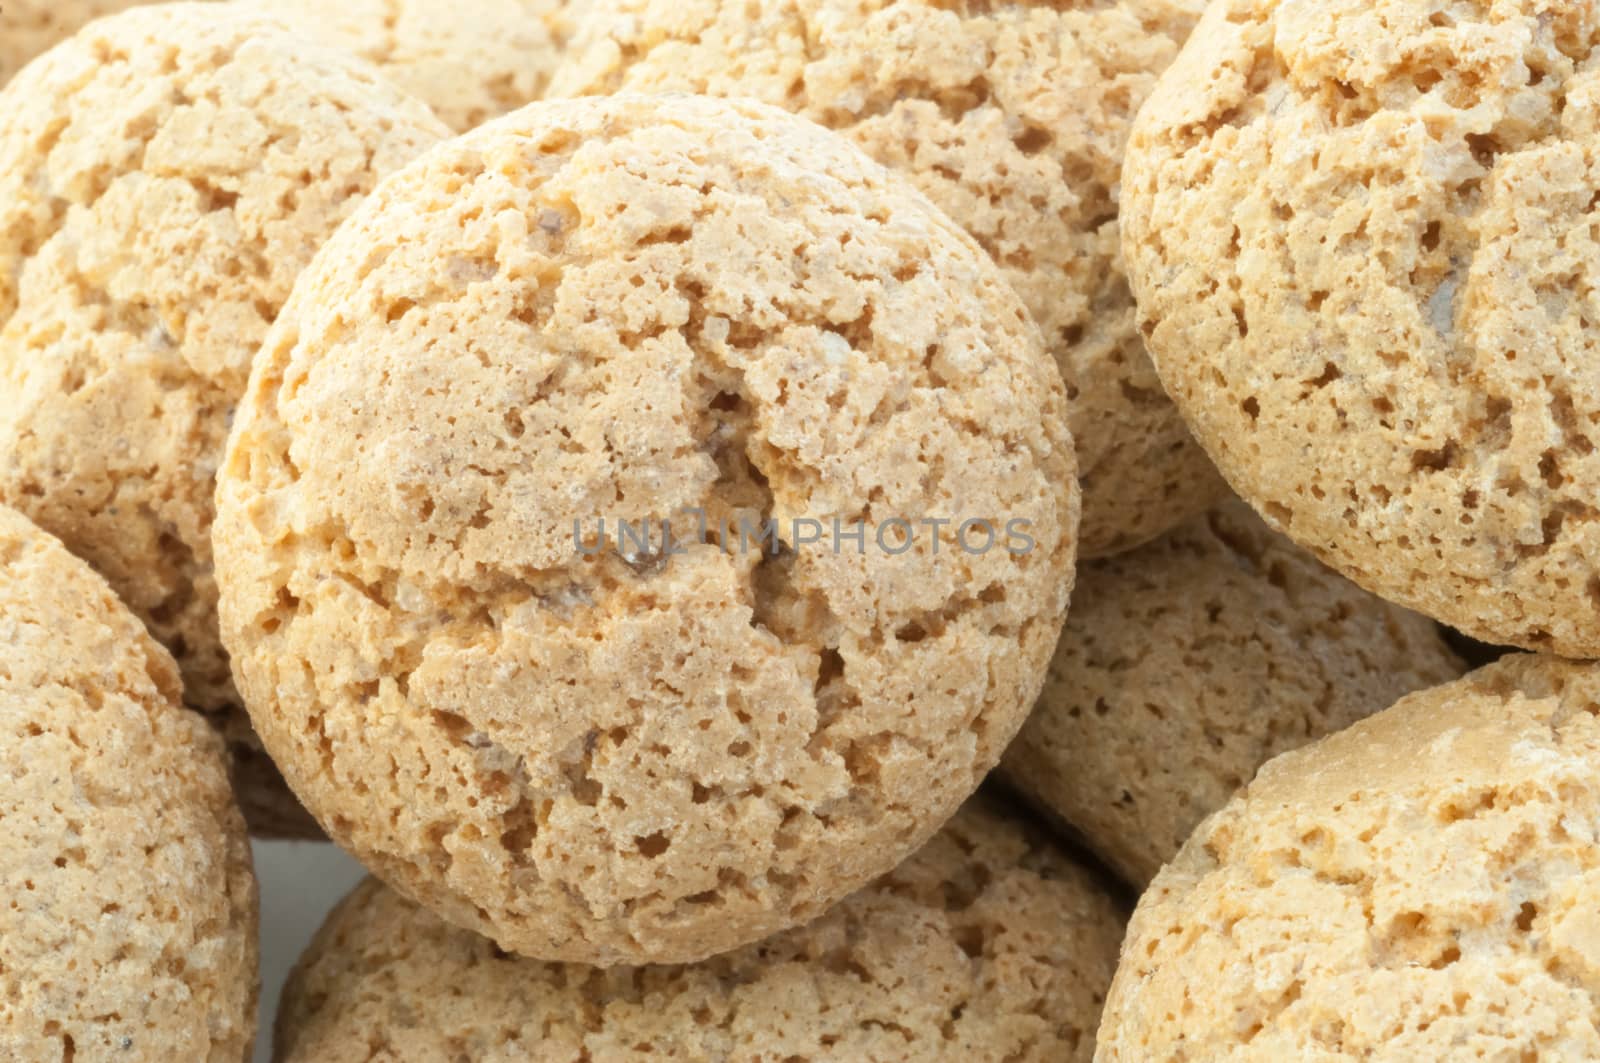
(127, 900)
(164, 176)
(470, 64)
(1187, 664)
(624, 309)
(1423, 885)
(1012, 118)
(986, 944)
(1364, 274)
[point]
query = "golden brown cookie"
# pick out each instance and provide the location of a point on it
(1424, 885)
(987, 944)
(31, 27)
(1187, 664)
(470, 63)
(164, 176)
(635, 308)
(1361, 269)
(1011, 116)
(127, 902)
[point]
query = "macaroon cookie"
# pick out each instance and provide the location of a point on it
(987, 944)
(127, 900)
(1361, 232)
(1424, 885)
(1012, 117)
(164, 176)
(470, 63)
(646, 310)
(30, 27)
(1187, 664)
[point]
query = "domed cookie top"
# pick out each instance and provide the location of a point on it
(468, 63)
(987, 944)
(1421, 886)
(164, 176)
(1188, 663)
(1012, 117)
(127, 903)
(639, 309)
(1360, 269)
(30, 27)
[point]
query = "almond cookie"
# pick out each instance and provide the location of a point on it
(1187, 664)
(1423, 886)
(1361, 270)
(164, 176)
(470, 64)
(127, 902)
(1011, 117)
(987, 944)
(31, 27)
(645, 309)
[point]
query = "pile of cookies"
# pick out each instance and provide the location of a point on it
(620, 470)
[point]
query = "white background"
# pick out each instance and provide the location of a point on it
(300, 881)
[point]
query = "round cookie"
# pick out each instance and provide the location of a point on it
(1423, 885)
(1011, 116)
(633, 309)
(127, 900)
(164, 176)
(1360, 271)
(468, 65)
(31, 27)
(987, 944)
(1187, 664)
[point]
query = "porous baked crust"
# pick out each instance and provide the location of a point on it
(1011, 117)
(987, 944)
(31, 27)
(469, 62)
(1361, 235)
(1422, 886)
(164, 176)
(624, 308)
(127, 900)
(1187, 664)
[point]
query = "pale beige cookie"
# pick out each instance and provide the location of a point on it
(469, 62)
(1012, 117)
(988, 944)
(30, 27)
(127, 901)
(164, 176)
(1360, 232)
(1187, 664)
(1422, 886)
(631, 308)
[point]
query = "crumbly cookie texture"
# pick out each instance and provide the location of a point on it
(469, 63)
(1359, 231)
(987, 944)
(1424, 885)
(127, 900)
(1187, 664)
(31, 27)
(628, 308)
(1012, 117)
(164, 176)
